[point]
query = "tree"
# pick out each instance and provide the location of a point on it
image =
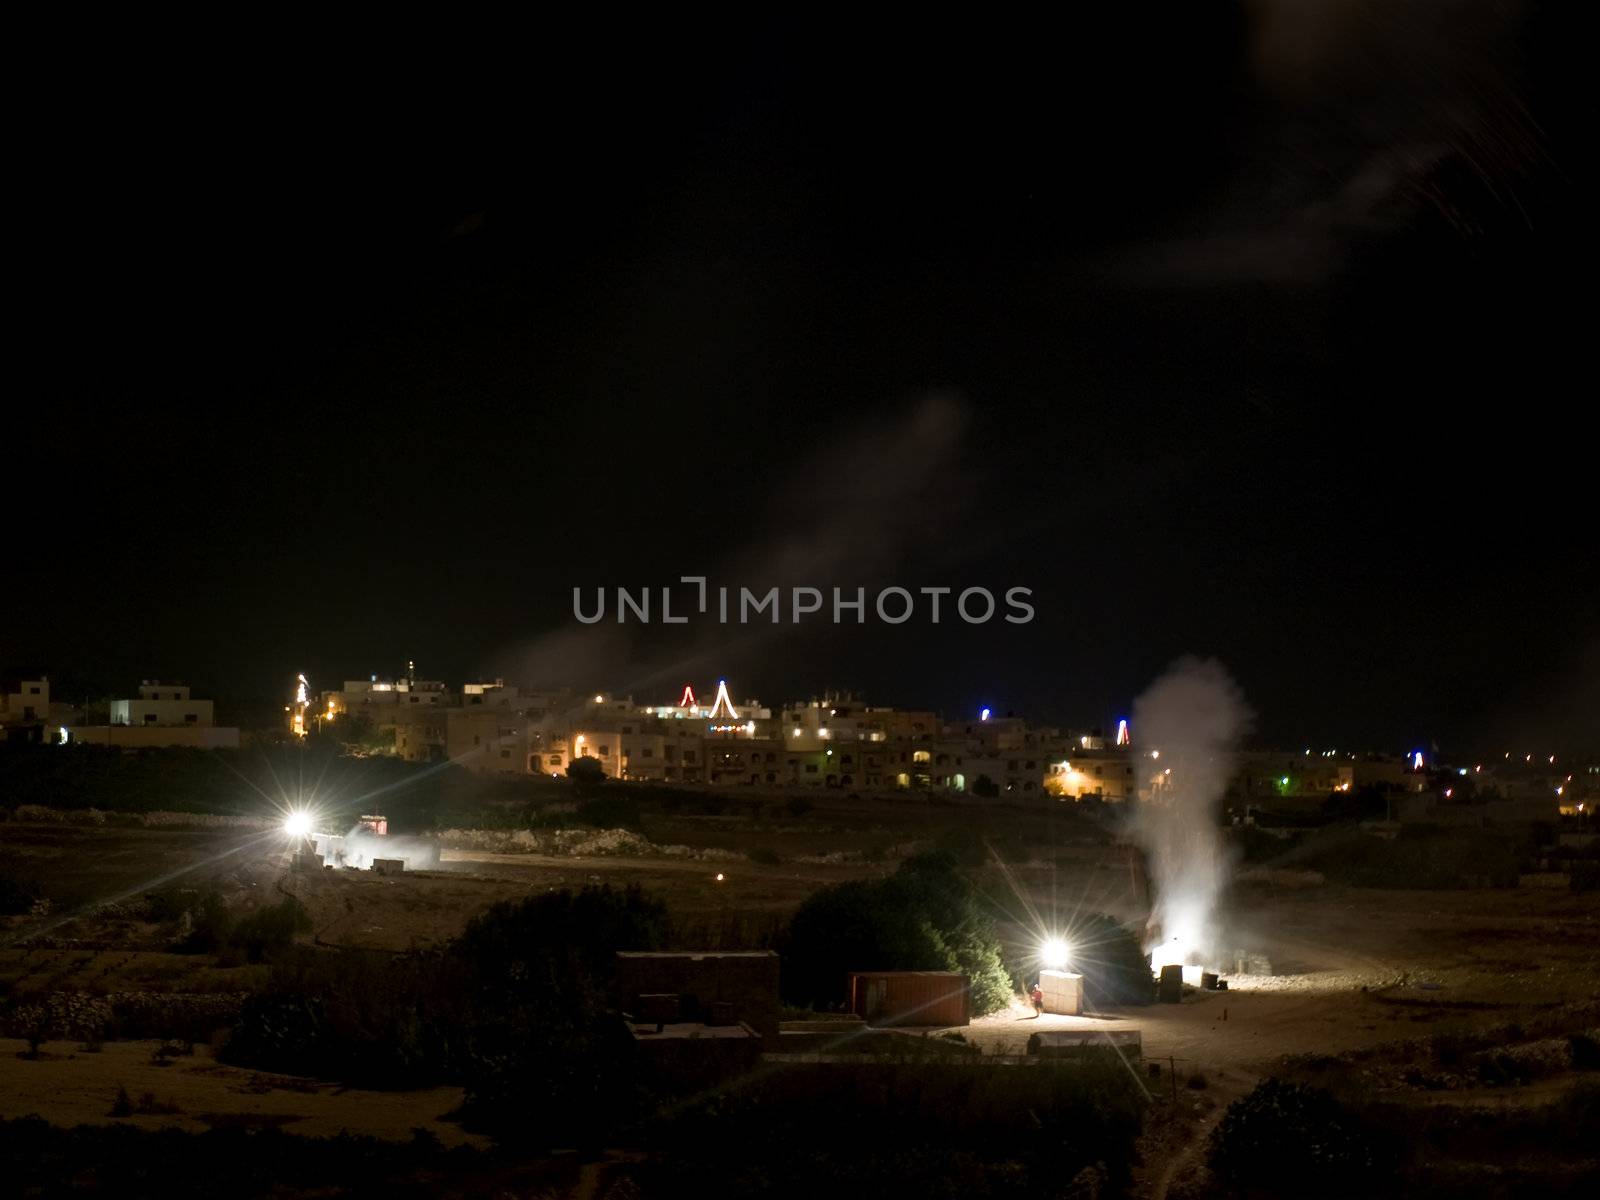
(984, 786)
(925, 917)
(1289, 1131)
(586, 772)
(545, 1049)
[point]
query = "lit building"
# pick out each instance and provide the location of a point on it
(1103, 773)
(163, 714)
(24, 709)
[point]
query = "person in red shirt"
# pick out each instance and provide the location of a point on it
(1037, 996)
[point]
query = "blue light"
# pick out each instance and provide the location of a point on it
(983, 715)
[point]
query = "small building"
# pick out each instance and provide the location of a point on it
(163, 714)
(936, 998)
(706, 987)
(24, 709)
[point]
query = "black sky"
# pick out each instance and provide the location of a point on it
(1255, 331)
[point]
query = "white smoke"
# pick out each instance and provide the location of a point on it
(361, 845)
(1193, 718)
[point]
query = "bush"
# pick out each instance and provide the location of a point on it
(516, 1010)
(586, 771)
(270, 928)
(925, 917)
(1287, 1136)
(945, 1126)
(766, 856)
(17, 895)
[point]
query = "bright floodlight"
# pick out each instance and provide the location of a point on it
(1054, 953)
(297, 824)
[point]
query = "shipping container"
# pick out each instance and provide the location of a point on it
(938, 998)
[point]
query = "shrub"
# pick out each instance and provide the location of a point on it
(587, 772)
(1585, 1050)
(766, 856)
(515, 1010)
(271, 927)
(17, 895)
(925, 917)
(936, 1126)
(1289, 1134)
(210, 925)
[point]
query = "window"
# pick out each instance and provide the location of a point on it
(149, 718)
(811, 768)
(604, 750)
(555, 760)
(647, 752)
(33, 691)
(505, 754)
(191, 718)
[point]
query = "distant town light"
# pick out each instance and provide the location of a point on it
(723, 707)
(983, 715)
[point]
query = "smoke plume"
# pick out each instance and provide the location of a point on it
(1192, 717)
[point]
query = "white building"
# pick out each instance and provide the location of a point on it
(162, 704)
(163, 714)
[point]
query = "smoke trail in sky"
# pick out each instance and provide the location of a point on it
(1193, 717)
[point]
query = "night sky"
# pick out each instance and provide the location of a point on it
(1239, 332)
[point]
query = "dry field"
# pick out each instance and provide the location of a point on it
(1353, 969)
